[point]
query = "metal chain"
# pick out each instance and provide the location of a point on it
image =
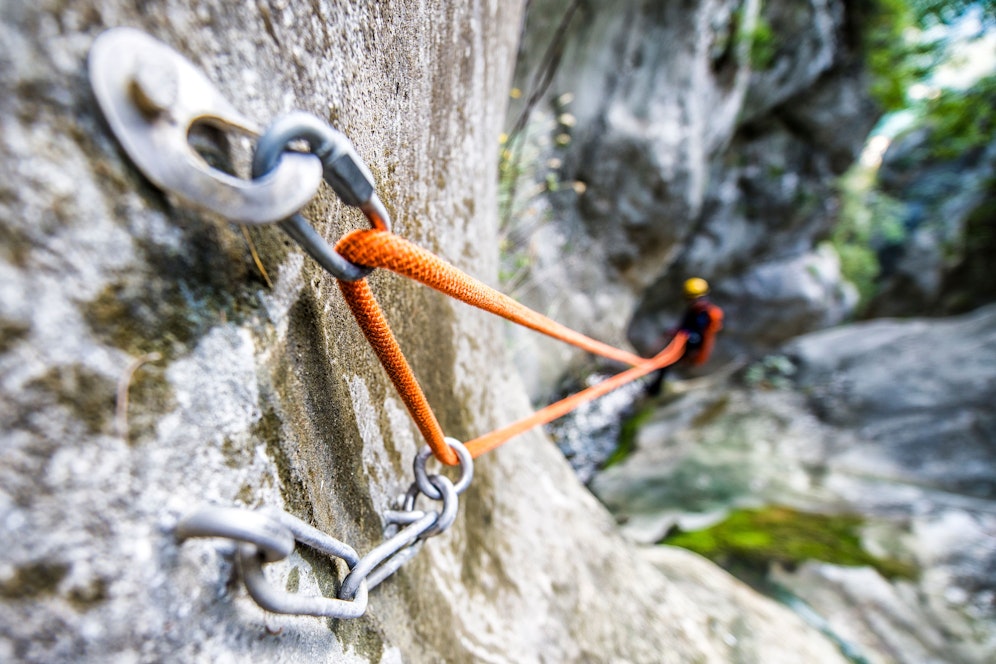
(268, 535)
(151, 97)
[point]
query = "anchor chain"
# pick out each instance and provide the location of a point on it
(268, 535)
(152, 97)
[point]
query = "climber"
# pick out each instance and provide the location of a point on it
(701, 321)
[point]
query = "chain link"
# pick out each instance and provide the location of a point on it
(422, 476)
(268, 535)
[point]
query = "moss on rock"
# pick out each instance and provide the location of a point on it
(33, 580)
(89, 395)
(756, 538)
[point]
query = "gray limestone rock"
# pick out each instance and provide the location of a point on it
(890, 420)
(920, 391)
(687, 151)
(149, 367)
(939, 263)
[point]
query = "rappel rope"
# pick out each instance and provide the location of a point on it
(153, 128)
(380, 249)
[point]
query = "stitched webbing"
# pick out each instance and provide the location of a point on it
(381, 249)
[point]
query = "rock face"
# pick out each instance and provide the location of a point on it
(940, 264)
(704, 140)
(919, 391)
(149, 367)
(887, 419)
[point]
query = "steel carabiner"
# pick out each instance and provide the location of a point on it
(345, 172)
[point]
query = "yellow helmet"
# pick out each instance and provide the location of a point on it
(696, 287)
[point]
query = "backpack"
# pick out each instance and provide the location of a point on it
(709, 334)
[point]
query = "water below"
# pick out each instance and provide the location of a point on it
(702, 453)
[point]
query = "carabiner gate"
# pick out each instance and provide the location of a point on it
(343, 169)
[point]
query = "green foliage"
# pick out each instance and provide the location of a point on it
(627, 435)
(763, 45)
(756, 538)
(899, 55)
(859, 264)
(896, 57)
(869, 218)
(961, 121)
(899, 45)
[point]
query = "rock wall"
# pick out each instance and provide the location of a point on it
(148, 367)
(700, 139)
(939, 264)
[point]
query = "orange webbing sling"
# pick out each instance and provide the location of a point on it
(382, 249)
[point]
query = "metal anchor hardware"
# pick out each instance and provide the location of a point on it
(269, 535)
(152, 96)
(345, 172)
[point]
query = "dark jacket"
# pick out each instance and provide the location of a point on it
(702, 320)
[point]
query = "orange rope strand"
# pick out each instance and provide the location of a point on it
(489, 441)
(376, 248)
(371, 320)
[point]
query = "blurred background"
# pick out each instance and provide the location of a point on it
(829, 168)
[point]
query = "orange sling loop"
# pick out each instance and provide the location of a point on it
(382, 249)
